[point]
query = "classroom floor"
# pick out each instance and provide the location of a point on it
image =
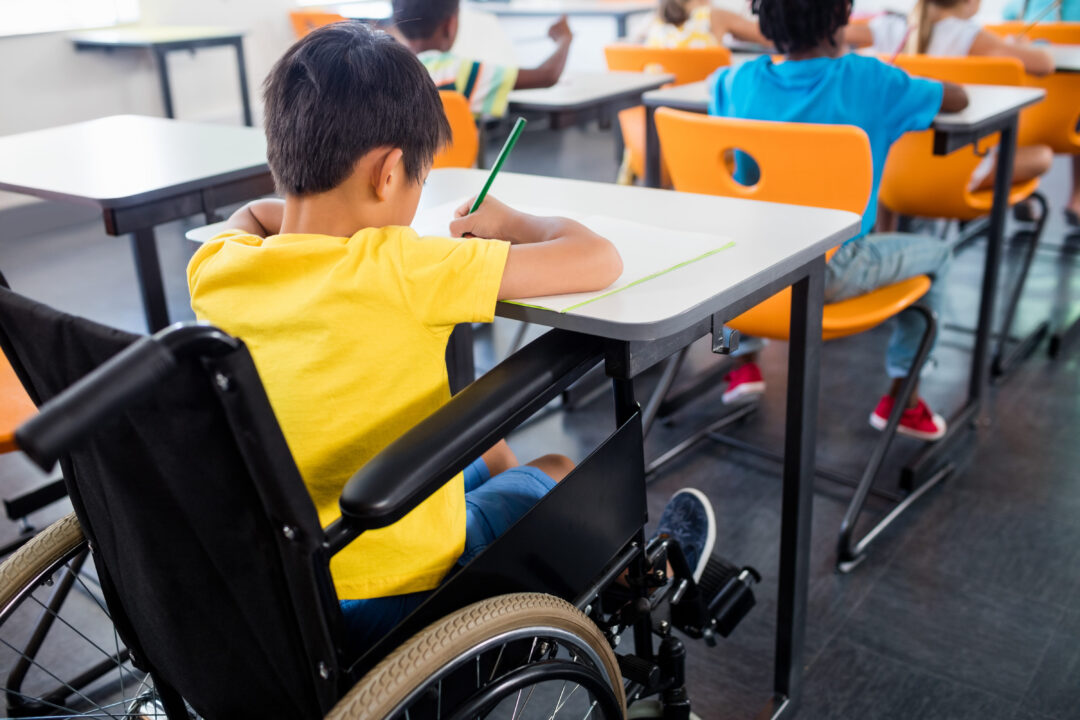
(967, 607)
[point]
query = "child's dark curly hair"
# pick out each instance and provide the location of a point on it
(798, 25)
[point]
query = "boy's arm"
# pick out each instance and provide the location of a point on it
(954, 98)
(1036, 60)
(858, 35)
(259, 217)
(548, 72)
(548, 255)
(741, 28)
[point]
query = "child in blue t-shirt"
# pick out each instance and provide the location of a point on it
(819, 82)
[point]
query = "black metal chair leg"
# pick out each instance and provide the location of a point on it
(667, 379)
(1005, 360)
(849, 552)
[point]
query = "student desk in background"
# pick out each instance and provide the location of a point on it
(141, 172)
(776, 246)
(992, 109)
(1066, 58)
(619, 10)
(375, 11)
(164, 40)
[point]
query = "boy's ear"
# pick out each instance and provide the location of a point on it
(386, 172)
(449, 28)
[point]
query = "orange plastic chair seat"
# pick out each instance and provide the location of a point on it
(772, 318)
(983, 200)
(15, 406)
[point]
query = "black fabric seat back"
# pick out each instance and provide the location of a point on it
(208, 546)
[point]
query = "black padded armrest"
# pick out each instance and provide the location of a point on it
(424, 459)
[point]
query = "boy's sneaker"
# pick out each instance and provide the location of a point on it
(689, 520)
(917, 422)
(744, 384)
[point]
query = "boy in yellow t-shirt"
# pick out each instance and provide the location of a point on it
(347, 311)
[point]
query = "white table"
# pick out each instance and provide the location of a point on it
(140, 172)
(620, 10)
(371, 10)
(1066, 57)
(162, 40)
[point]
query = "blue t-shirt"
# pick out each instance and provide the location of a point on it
(881, 99)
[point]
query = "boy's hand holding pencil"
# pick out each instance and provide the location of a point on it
(493, 220)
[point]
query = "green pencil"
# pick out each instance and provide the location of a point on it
(519, 125)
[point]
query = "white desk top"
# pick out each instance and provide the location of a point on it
(587, 88)
(1066, 57)
(152, 35)
(986, 103)
(771, 240)
(613, 8)
(367, 10)
(126, 160)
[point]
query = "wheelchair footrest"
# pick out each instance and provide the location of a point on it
(716, 603)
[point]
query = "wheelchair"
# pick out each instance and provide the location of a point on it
(194, 541)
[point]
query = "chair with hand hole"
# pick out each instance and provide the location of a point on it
(804, 164)
(916, 182)
(686, 64)
(210, 561)
(304, 21)
(465, 139)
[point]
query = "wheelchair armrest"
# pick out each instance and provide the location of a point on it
(425, 458)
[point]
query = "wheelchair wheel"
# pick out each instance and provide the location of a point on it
(60, 655)
(514, 656)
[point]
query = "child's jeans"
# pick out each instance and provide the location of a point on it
(877, 260)
(492, 505)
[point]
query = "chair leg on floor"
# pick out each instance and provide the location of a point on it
(667, 379)
(734, 416)
(1005, 361)
(849, 552)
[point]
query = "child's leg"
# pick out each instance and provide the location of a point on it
(1074, 200)
(499, 458)
(1031, 161)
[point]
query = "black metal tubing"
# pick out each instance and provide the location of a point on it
(652, 149)
(1005, 360)
(148, 271)
(460, 363)
(546, 670)
(425, 458)
(161, 59)
(1061, 340)
(848, 552)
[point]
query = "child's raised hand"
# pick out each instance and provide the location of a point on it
(492, 220)
(560, 31)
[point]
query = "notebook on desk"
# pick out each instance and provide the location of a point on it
(647, 251)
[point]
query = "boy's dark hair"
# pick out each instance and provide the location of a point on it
(340, 92)
(419, 19)
(798, 25)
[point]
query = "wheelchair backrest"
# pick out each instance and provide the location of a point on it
(209, 549)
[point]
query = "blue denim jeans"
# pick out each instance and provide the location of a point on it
(877, 260)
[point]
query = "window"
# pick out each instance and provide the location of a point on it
(23, 17)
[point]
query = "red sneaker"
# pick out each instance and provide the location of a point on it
(744, 384)
(917, 422)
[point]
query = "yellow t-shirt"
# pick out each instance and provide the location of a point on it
(349, 336)
(696, 32)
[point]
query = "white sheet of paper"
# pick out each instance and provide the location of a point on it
(646, 250)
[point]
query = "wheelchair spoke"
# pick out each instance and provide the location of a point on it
(591, 708)
(45, 670)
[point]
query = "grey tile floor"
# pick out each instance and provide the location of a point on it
(968, 607)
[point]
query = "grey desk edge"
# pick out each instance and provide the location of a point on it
(581, 105)
(670, 326)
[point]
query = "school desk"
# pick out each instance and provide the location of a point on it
(140, 172)
(776, 246)
(1066, 57)
(991, 109)
(162, 40)
(619, 10)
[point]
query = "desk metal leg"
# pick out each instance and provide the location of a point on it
(620, 26)
(163, 77)
(244, 98)
(459, 358)
(934, 456)
(652, 149)
(148, 271)
(804, 351)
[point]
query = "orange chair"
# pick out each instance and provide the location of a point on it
(917, 182)
(788, 154)
(1060, 33)
(15, 405)
(304, 21)
(686, 64)
(465, 139)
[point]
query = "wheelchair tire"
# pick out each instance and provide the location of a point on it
(59, 652)
(472, 635)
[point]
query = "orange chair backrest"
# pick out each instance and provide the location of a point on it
(1059, 33)
(304, 21)
(465, 140)
(15, 405)
(917, 182)
(1055, 120)
(686, 64)
(827, 166)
